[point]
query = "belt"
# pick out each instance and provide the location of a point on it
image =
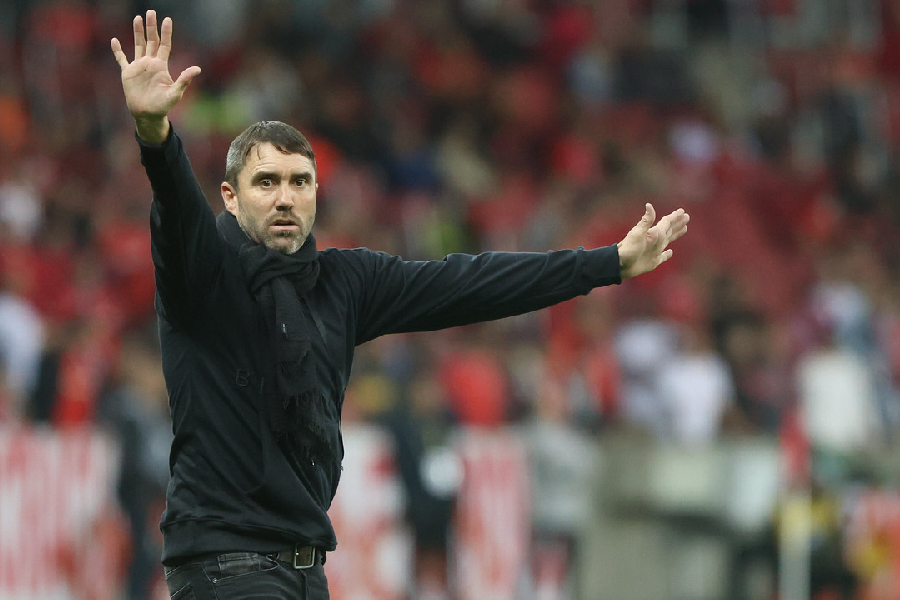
(300, 557)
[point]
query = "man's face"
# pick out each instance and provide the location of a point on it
(275, 199)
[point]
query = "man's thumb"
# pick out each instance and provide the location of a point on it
(186, 76)
(649, 217)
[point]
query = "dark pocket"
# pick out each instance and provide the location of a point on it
(180, 580)
(185, 593)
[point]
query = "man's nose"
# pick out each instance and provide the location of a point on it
(284, 199)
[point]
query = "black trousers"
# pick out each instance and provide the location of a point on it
(245, 575)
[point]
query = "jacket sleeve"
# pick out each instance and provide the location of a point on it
(184, 242)
(399, 296)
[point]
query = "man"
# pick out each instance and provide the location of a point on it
(258, 329)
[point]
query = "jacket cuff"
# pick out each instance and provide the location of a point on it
(159, 154)
(601, 266)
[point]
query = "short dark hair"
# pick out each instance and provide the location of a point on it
(281, 135)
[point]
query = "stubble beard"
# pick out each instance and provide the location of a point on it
(295, 242)
(258, 232)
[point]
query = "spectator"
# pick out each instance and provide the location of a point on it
(697, 389)
(21, 344)
(422, 429)
(643, 347)
(136, 410)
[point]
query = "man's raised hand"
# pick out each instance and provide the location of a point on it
(150, 91)
(644, 248)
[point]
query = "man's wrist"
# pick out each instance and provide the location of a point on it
(622, 260)
(152, 130)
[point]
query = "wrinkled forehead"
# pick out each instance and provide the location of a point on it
(265, 156)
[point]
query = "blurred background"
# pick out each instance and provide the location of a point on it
(723, 428)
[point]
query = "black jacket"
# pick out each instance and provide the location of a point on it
(232, 487)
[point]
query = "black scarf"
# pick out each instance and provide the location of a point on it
(278, 282)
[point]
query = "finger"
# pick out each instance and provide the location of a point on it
(672, 222)
(648, 218)
(140, 44)
(674, 215)
(118, 53)
(152, 33)
(185, 78)
(678, 223)
(165, 42)
(678, 233)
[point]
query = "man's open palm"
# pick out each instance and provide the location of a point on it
(150, 91)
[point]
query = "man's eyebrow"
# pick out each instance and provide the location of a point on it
(260, 175)
(302, 175)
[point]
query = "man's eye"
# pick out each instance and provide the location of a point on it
(265, 182)
(301, 182)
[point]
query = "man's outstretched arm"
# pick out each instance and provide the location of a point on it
(150, 91)
(397, 295)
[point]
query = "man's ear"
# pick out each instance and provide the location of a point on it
(229, 196)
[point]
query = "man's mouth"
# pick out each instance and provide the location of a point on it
(284, 225)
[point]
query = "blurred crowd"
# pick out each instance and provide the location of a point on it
(469, 125)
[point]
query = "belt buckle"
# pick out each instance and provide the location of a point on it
(300, 553)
